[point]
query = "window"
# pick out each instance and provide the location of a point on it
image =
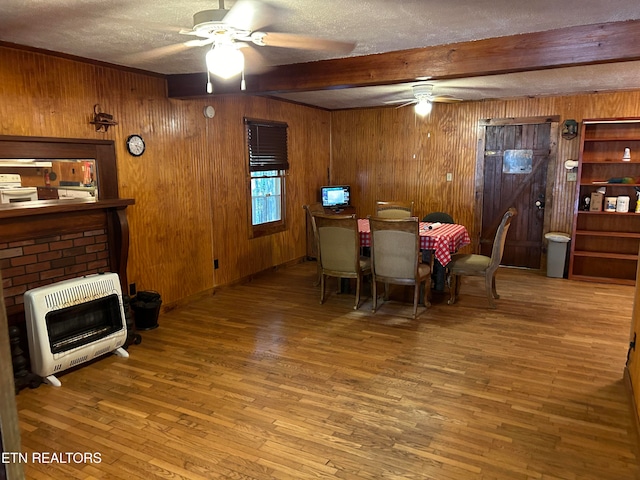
(268, 164)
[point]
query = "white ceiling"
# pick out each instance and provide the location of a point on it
(122, 31)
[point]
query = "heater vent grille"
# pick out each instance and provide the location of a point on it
(102, 351)
(78, 361)
(80, 293)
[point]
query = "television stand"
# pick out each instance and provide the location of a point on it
(346, 210)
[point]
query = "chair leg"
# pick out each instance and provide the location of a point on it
(454, 288)
(427, 293)
(493, 286)
(488, 283)
(358, 281)
(374, 294)
(322, 285)
(318, 275)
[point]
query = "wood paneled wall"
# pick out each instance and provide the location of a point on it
(392, 154)
(190, 186)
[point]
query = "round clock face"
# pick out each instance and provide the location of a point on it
(135, 145)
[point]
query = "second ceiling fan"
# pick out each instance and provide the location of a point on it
(423, 98)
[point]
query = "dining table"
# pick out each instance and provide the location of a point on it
(442, 238)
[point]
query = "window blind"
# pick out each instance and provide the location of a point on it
(267, 145)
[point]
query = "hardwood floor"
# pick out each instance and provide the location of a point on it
(260, 381)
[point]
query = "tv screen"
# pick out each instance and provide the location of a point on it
(335, 196)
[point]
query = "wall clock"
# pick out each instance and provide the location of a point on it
(135, 145)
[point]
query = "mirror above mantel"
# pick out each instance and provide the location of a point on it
(31, 179)
(78, 166)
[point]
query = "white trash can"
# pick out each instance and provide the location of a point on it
(556, 253)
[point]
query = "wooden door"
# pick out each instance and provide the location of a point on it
(515, 163)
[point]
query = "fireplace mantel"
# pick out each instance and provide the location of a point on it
(47, 241)
(49, 207)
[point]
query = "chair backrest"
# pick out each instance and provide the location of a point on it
(395, 247)
(394, 209)
(314, 208)
(441, 217)
(311, 210)
(501, 236)
(338, 242)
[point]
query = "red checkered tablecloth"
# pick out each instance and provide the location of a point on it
(444, 240)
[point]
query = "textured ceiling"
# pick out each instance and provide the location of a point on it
(142, 34)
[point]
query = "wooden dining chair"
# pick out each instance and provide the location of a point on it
(481, 265)
(339, 251)
(394, 209)
(395, 257)
(311, 210)
(438, 271)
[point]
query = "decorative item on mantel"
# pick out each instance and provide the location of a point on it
(102, 121)
(626, 157)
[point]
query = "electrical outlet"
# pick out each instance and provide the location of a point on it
(215, 264)
(449, 176)
(132, 289)
(572, 176)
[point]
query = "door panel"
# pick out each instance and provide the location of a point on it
(503, 190)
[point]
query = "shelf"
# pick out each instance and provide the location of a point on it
(591, 184)
(593, 233)
(610, 214)
(589, 278)
(610, 139)
(616, 256)
(605, 244)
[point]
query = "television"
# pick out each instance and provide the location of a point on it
(336, 196)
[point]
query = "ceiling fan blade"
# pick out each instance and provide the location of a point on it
(165, 50)
(446, 99)
(290, 40)
(407, 103)
(254, 62)
(250, 15)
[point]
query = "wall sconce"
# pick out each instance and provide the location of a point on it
(569, 129)
(571, 164)
(102, 121)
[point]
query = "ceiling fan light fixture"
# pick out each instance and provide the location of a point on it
(423, 107)
(225, 60)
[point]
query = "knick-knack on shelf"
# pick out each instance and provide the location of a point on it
(626, 157)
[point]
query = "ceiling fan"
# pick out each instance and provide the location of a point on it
(423, 98)
(230, 30)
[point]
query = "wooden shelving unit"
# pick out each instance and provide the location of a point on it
(604, 245)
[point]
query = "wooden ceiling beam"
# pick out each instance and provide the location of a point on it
(581, 45)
